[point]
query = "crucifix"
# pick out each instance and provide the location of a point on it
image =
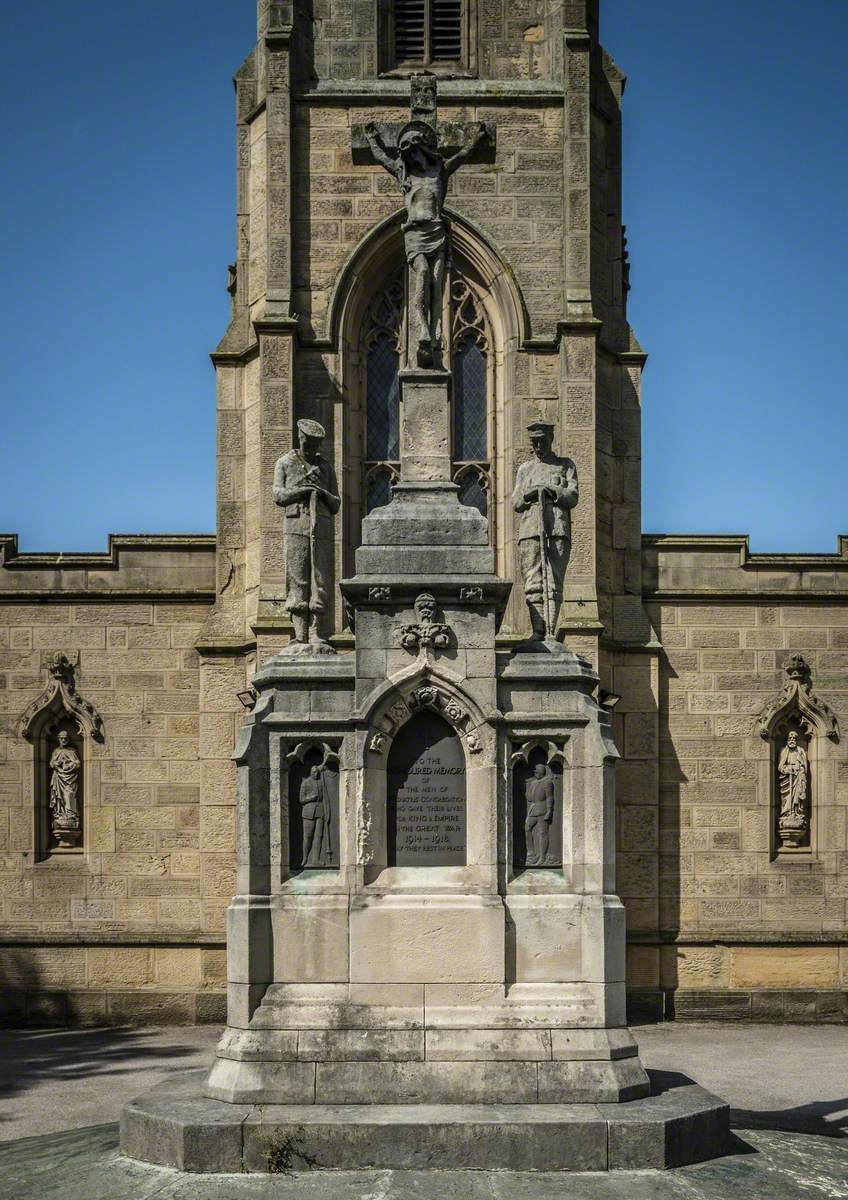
(413, 155)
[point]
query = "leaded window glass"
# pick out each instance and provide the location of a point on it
(472, 390)
(382, 395)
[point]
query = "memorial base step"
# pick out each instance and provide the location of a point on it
(176, 1125)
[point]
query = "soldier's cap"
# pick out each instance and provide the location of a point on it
(540, 426)
(311, 428)
(421, 127)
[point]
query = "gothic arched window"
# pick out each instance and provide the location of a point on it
(381, 461)
(470, 362)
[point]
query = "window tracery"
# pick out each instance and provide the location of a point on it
(472, 394)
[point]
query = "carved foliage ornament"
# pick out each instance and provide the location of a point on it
(61, 694)
(426, 695)
(426, 633)
(797, 695)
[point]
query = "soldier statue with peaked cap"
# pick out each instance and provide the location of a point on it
(544, 494)
(305, 486)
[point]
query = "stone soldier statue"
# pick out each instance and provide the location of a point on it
(544, 494)
(422, 172)
(314, 811)
(305, 486)
(539, 798)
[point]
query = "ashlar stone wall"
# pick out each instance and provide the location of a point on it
(131, 926)
(742, 929)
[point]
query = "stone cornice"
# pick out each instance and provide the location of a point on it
(707, 542)
(13, 558)
(738, 937)
(699, 568)
(141, 567)
(355, 91)
(112, 937)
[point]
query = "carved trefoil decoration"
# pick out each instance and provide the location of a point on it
(798, 724)
(313, 775)
(537, 804)
(61, 725)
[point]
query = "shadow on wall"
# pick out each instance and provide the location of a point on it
(651, 780)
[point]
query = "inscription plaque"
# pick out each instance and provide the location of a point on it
(425, 795)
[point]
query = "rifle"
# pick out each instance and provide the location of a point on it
(326, 842)
(547, 592)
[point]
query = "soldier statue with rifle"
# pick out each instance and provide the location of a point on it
(544, 494)
(305, 486)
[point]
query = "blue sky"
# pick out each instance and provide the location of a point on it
(116, 214)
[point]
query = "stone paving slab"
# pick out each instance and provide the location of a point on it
(85, 1165)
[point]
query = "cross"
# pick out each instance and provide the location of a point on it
(423, 106)
(422, 167)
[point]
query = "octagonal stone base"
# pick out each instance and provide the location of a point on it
(175, 1125)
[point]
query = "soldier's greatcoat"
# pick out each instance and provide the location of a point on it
(308, 536)
(560, 476)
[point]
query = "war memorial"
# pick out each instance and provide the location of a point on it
(428, 715)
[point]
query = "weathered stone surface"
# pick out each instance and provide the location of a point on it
(174, 1125)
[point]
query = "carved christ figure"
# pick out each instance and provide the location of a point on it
(792, 772)
(539, 797)
(423, 172)
(64, 784)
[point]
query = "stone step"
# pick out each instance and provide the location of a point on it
(276, 1081)
(175, 1125)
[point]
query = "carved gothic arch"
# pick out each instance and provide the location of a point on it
(426, 685)
(381, 249)
(61, 696)
(59, 712)
(486, 477)
(798, 696)
(799, 775)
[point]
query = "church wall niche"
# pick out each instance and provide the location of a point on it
(61, 726)
(798, 727)
(537, 806)
(313, 807)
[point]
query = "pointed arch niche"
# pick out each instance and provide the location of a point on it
(61, 726)
(801, 732)
(486, 319)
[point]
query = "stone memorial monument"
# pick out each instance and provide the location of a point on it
(446, 988)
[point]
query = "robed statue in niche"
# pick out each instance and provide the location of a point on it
(793, 774)
(65, 767)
